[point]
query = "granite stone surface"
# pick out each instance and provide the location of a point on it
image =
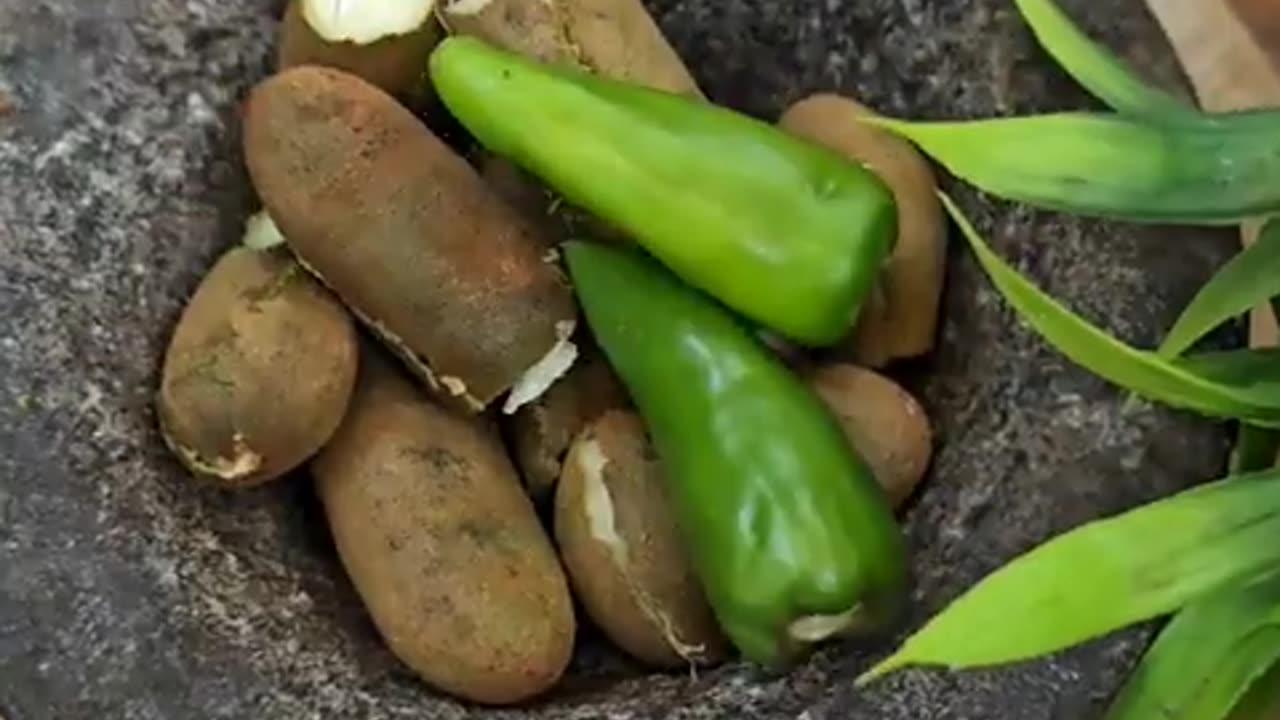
(126, 591)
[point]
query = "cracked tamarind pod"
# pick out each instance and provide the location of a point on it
(258, 372)
(385, 42)
(444, 549)
(405, 232)
(883, 422)
(542, 431)
(619, 541)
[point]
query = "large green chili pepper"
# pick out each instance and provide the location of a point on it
(784, 231)
(791, 536)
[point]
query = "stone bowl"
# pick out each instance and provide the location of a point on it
(128, 592)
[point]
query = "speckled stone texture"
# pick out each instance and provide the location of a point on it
(127, 591)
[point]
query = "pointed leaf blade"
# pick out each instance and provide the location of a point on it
(1217, 172)
(1140, 371)
(1146, 562)
(1097, 69)
(1207, 658)
(1249, 279)
(1263, 700)
(1254, 370)
(1256, 449)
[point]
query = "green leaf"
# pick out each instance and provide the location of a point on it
(1180, 384)
(1249, 279)
(1106, 575)
(1255, 370)
(1217, 172)
(1263, 701)
(1097, 69)
(1248, 665)
(1256, 449)
(1207, 658)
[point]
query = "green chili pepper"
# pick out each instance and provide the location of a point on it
(784, 231)
(791, 536)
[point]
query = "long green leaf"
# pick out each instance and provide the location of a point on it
(1250, 278)
(1141, 371)
(1263, 700)
(1097, 69)
(1256, 449)
(1106, 575)
(1207, 658)
(1247, 665)
(1218, 172)
(1255, 370)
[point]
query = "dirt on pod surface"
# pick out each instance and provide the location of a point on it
(126, 592)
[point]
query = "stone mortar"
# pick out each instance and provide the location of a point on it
(126, 591)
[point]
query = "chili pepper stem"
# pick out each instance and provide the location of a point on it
(542, 375)
(817, 628)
